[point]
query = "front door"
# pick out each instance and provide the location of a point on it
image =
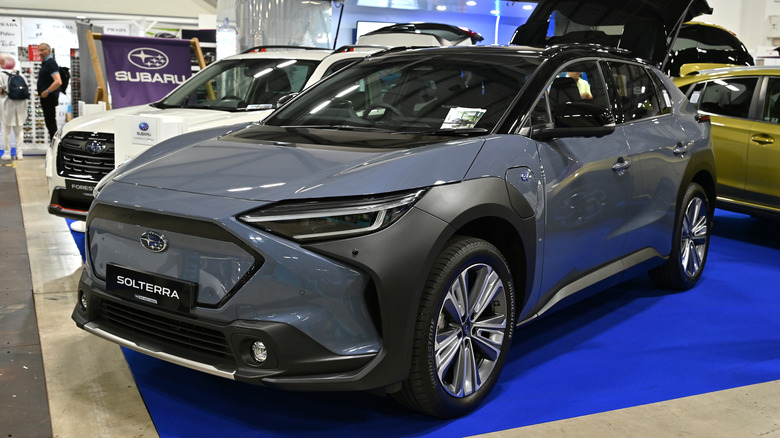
(586, 189)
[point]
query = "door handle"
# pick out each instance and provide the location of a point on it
(621, 165)
(682, 147)
(762, 139)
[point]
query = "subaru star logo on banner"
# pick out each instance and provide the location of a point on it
(142, 70)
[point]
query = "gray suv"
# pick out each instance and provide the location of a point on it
(391, 226)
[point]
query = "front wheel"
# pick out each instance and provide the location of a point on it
(690, 245)
(463, 330)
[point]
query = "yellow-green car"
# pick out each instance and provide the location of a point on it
(743, 104)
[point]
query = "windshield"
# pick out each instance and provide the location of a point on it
(706, 37)
(439, 92)
(241, 84)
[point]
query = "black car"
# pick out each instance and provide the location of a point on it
(706, 46)
(647, 29)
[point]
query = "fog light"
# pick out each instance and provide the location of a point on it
(259, 352)
(83, 301)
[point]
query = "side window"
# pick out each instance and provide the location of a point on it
(694, 93)
(728, 97)
(539, 114)
(635, 89)
(664, 97)
(578, 82)
(772, 101)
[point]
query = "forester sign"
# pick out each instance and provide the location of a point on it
(142, 70)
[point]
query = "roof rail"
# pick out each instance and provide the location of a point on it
(265, 48)
(398, 49)
(352, 47)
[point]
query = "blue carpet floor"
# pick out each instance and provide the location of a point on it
(628, 346)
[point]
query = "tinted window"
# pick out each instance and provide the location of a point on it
(664, 97)
(578, 82)
(772, 101)
(727, 97)
(706, 37)
(638, 98)
(407, 93)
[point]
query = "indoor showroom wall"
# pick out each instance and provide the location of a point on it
(170, 8)
(750, 20)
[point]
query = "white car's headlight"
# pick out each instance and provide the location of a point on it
(56, 138)
(327, 219)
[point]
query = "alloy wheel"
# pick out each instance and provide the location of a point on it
(470, 330)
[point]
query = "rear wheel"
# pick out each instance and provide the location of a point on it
(463, 331)
(691, 243)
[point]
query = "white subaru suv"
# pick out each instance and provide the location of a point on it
(238, 89)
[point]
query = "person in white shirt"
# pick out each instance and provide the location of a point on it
(582, 84)
(13, 112)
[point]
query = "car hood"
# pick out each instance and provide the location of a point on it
(650, 26)
(197, 118)
(265, 163)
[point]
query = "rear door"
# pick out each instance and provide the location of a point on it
(658, 146)
(762, 175)
(729, 103)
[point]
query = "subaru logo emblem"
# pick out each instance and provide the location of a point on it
(147, 58)
(95, 147)
(143, 126)
(154, 241)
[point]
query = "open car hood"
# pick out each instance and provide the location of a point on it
(647, 28)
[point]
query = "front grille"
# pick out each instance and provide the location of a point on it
(75, 161)
(165, 331)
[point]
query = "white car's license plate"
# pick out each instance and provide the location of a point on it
(154, 289)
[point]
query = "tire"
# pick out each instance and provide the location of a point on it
(460, 339)
(690, 245)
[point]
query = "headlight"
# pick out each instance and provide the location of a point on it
(311, 220)
(56, 138)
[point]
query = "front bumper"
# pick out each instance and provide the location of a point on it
(218, 349)
(72, 202)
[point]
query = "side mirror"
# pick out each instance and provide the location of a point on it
(577, 119)
(284, 99)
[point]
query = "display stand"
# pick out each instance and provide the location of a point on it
(74, 88)
(35, 133)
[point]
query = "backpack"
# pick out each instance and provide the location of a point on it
(65, 76)
(17, 87)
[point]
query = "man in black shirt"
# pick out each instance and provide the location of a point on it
(48, 86)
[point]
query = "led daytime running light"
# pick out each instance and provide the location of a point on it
(308, 221)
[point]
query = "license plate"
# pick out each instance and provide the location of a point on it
(153, 289)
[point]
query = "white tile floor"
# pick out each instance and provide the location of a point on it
(92, 393)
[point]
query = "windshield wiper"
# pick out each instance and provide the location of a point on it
(451, 131)
(162, 105)
(343, 128)
(361, 128)
(214, 107)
